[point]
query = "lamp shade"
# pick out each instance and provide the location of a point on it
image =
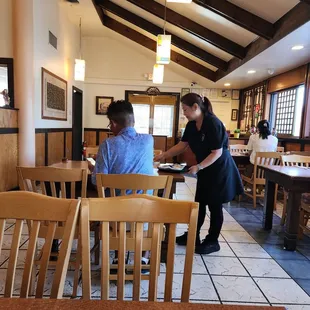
(163, 49)
(158, 74)
(79, 70)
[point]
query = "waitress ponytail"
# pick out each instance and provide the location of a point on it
(207, 106)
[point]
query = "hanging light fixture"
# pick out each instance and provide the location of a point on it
(163, 50)
(180, 1)
(158, 74)
(79, 67)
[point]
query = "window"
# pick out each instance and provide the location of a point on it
(142, 117)
(286, 111)
(6, 83)
(163, 120)
(3, 84)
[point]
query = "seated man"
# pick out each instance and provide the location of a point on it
(127, 152)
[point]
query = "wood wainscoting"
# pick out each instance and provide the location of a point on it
(53, 144)
(8, 149)
(95, 136)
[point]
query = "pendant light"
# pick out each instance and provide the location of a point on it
(158, 74)
(163, 50)
(79, 67)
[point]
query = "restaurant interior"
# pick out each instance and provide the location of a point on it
(62, 63)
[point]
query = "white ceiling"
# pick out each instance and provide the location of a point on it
(280, 57)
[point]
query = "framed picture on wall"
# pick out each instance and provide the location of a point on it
(54, 96)
(185, 91)
(234, 114)
(102, 103)
(235, 94)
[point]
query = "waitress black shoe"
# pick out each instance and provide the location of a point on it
(207, 247)
(182, 240)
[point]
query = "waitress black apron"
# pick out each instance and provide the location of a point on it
(220, 182)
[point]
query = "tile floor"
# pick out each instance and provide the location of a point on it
(251, 267)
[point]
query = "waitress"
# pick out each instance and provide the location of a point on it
(218, 179)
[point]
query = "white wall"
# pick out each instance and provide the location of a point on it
(6, 39)
(115, 64)
(50, 16)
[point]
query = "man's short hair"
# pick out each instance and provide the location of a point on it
(121, 112)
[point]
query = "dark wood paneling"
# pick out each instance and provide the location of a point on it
(55, 147)
(40, 149)
(292, 147)
(8, 161)
(288, 79)
(8, 118)
(68, 151)
(160, 143)
(102, 136)
(307, 147)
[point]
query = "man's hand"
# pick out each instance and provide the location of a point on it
(159, 157)
(90, 167)
(193, 169)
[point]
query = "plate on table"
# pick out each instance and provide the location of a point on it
(172, 167)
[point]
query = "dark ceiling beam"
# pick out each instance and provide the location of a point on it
(155, 30)
(187, 24)
(141, 39)
(292, 20)
(307, 1)
(239, 16)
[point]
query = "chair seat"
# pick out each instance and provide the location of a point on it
(305, 197)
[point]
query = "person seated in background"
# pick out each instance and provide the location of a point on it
(128, 152)
(262, 141)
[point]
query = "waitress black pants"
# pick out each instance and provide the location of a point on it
(216, 220)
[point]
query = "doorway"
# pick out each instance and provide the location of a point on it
(156, 114)
(77, 123)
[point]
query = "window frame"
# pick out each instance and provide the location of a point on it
(9, 62)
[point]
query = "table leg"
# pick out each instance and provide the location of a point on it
(269, 204)
(292, 221)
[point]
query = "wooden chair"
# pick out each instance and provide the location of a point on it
(257, 181)
(29, 178)
(280, 149)
(119, 185)
(91, 151)
(304, 161)
(238, 148)
(138, 209)
(37, 208)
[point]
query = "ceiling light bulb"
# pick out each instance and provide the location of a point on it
(227, 84)
(297, 47)
(251, 71)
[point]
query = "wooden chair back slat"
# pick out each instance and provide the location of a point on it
(2, 227)
(63, 190)
(53, 189)
(105, 263)
(137, 261)
(238, 148)
(43, 188)
(29, 262)
(13, 259)
(143, 209)
(170, 262)
(26, 206)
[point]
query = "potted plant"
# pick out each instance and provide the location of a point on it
(237, 133)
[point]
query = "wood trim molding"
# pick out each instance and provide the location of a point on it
(6, 131)
(292, 20)
(46, 130)
(155, 30)
(187, 24)
(239, 16)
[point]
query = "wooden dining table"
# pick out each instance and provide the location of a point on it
(79, 164)
(295, 180)
(73, 304)
(240, 158)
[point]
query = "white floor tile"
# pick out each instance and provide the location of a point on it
(283, 291)
(263, 268)
(179, 260)
(185, 197)
(224, 266)
(232, 226)
(249, 250)
(237, 236)
(238, 289)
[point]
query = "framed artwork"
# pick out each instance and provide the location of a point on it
(102, 103)
(54, 96)
(235, 94)
(225, 93)
(185, 91)
(234, 114)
